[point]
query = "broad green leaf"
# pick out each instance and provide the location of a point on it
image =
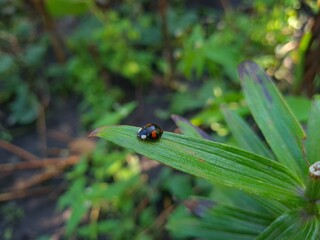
(244, 135)
(279, 126)
(220, 222)
(313, 133)
(235, 198)
(294, 224)
(213, 161)
(188, 128)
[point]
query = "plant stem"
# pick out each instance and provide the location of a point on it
(168, 50)
(56, 40)
(313, 187)
(312, 191)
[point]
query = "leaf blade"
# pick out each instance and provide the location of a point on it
(313, 133)
(220, 222)
(244, 135)
(293, 224)
(188, 128)
(277, 123)
(213, 161)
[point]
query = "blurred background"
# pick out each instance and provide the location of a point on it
(70, 66)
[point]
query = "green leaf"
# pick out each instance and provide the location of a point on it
(61, 8)
(313, 133)
(7, 64)
(220, 222)
(213, 161)
(115, 117)
(78, 208)
(179, 185)
(228, 58)
(279, 126)
(300, 107)
(244, 135)
(25, 107)
(293, 224)
(188, 128)
(34, 54)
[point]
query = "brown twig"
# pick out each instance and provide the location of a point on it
(225, 5)
(50, 172)
(23, 154)
(168, 50)
(312, 59)
(160, 220)
(42, 131)
(60, 136)
(36, 179)
(22, 193)
(50, 25)
(49, 162)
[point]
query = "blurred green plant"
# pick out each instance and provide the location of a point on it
(218, 47)
(105, 185)
(113, 198)
(125, 41)
(217, 44)
(11, 215)
(280, 178)
(22, 84)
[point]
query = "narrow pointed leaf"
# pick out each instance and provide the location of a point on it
(221, 222)
(277, 123)
(213, 161)
(313, 133)
(293, 224)
(244, 135)
(188, 128)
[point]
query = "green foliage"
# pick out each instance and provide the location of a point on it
(113, 198)
(127, 41)
(187, 100)
(21, 56)
(11, 214)
(244, 135)
(241, 169)
(61, 8)
(267, 107)
(118, 52)
(221, 222)
(106, 186)
(313, 132)
(281, 207)
(118, 45)
(218, 49)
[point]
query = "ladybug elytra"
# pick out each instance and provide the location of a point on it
(150, 132)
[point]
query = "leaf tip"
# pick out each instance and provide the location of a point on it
(246, 67)
(223, 107)
(94, 133)
(174, 117)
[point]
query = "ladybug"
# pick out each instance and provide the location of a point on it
(150, 132)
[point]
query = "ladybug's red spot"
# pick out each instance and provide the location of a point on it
(154, 134)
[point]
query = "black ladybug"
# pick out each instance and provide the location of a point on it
(150, 132)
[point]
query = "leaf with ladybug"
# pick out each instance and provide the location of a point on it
(213, 161)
